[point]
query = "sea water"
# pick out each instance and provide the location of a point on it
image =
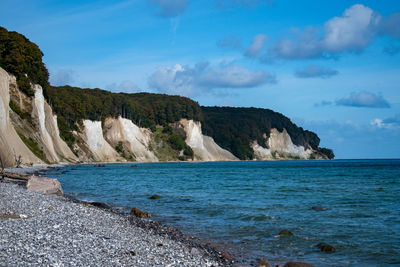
(244, 205)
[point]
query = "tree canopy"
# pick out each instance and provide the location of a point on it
(22, 58)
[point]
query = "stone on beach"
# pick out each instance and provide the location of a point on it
(139, 213)
(44, 185)
(74, 234)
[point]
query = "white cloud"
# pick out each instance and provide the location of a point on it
(363, 99)
(170, 8)
(353, 31)
(123, 87)
(247, 3)
(230, 41)
(189, 81)
(257, 45)
(62, 77)
(388, 123)
(315, 71)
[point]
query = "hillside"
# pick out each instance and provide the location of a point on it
(74, 124)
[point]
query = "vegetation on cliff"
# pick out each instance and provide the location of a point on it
(73, 104)
(22, 58)
(236, 128)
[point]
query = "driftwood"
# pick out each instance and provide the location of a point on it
(15, 176)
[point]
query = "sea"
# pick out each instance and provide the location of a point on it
(243, 206)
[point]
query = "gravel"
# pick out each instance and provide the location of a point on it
(49, 230)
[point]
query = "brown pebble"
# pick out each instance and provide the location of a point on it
(263, 263)
(225, 256)
(160, 245)
(139, 213)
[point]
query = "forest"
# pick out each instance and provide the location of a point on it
(23, 59)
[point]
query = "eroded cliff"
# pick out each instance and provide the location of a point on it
(204, 147)
(279, 145)
(12, 147)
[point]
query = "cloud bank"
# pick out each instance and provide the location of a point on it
(363, 99)
(353, 31)
(202, 77)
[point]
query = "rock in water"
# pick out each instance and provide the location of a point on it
(155, 197)
(319, 208)
(298, 264)
(44, 185)
(285, 232)
(326, 247)
(139, 213)
(100, 205)
(263, 263)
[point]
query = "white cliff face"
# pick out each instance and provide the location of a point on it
(60, 147)
(135, 139)
(38, 114)
(204, 147)
(281, 143)
(10, 143)
(99, 148)
(260, 152)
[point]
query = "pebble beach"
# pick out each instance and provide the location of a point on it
(51, 230)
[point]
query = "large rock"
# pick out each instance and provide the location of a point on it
(44, 185)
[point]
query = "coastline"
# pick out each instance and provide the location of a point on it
(192, 250)
(40, 229)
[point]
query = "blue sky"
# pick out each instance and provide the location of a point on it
(331, 66)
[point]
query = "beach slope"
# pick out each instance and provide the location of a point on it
(42, 230)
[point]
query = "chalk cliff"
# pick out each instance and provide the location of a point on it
(10, 143)
(133, 140)
(29, 128)
(204, 147)
(38, 127)
(279, 145)
(92, 146)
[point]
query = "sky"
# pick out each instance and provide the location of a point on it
(332, 67)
